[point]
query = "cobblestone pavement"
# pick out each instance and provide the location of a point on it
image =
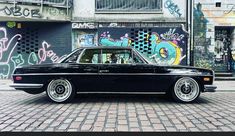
(20, 111)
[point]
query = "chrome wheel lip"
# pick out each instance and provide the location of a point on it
(59, 97)
(194, 89)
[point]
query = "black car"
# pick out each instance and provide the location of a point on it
(112, 70)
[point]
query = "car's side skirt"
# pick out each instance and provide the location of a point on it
(121, 92)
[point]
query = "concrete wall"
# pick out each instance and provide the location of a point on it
(84, 10)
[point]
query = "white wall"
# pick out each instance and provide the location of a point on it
(84, 11)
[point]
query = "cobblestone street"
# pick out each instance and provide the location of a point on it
(20, 111)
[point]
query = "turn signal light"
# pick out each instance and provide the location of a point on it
(206, 79)
(18, 78)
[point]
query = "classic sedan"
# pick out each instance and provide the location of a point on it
(112, 70)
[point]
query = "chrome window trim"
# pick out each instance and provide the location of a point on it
(79, 57)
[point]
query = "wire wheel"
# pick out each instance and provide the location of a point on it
(59, 90)
(186, 89)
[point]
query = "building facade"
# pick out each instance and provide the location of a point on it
(40, 31)
(214, 35)
(154, 27)
(33, 32)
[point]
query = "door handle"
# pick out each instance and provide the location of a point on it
(103, 71)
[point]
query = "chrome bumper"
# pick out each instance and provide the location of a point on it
(18, 85)
(210, 88)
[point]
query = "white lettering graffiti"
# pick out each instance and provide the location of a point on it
(43, 53)
(84, 25)
(171, 35)
(3, 42)
(19, 11)
(6, 47)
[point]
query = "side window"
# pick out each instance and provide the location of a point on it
(116, 56)
(91, 56)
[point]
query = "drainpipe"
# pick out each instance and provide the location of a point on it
(192, 32)
(67, 4)
(187, 29)
(41, 6)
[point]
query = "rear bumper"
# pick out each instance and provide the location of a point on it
(28, 86)
(210, 88)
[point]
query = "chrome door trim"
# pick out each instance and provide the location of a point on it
(147, 74)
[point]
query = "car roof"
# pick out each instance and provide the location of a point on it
(106, 47)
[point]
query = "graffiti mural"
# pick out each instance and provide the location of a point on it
(12, 53)
(166, 45)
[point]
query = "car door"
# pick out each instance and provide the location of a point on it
(87, 69)
(127, 74)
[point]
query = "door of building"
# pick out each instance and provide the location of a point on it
(223, 57)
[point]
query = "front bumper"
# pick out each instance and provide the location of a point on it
(15, 85)
(210, 88)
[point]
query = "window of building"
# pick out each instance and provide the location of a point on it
(128, 5)
(218, 4)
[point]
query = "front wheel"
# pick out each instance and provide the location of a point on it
(60, 90)
(186, 89)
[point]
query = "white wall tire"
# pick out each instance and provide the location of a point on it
(60, 90)
(186, 90)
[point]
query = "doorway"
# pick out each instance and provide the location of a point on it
(222, 54)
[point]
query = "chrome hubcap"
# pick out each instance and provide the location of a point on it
(186, 89)
(59, 90)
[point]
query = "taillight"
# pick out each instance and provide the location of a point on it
(18, 78)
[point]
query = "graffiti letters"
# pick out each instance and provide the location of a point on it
(17, 60)
(171, 35)
(84, 25)
(173, 8)
(19, 12)
(7, 47)
(4, 44)
(55, 11)
(43, 53)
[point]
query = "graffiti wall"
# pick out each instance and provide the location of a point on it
(168, 46)
(31, 43)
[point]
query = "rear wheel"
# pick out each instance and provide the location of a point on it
(186, 89)
(60, 90)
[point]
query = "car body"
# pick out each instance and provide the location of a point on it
(112, 70)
